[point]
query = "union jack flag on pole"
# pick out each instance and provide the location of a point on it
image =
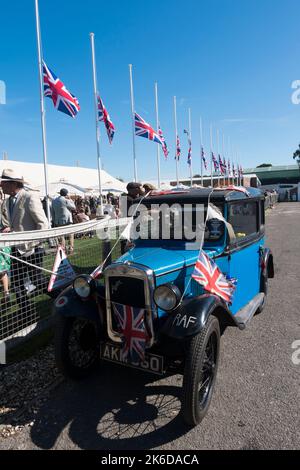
(104, 116)
(215, 161)
(62, 99)
(221, 166)
(228, 167)
(131, 324)
(164, 143)
(143, 129)
(203, 157)
(178, 149)
(189, 157)
(207, 273)
(233, 171)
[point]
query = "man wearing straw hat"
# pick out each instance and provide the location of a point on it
(22, 211)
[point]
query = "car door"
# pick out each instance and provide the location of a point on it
(244, 259)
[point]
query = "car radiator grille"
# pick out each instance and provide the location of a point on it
(127, 291)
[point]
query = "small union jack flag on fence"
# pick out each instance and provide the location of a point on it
(62, 99)
(131, 324)
(104, 116)
(143, 129)
(164, 143)
(208, 274)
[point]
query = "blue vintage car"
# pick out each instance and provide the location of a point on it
(182, 321)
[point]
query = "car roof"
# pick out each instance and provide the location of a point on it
(198, 195)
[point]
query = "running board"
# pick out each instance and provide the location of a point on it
(244, 315)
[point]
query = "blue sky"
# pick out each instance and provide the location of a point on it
(231, 61)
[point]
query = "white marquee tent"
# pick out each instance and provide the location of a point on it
(81, 179)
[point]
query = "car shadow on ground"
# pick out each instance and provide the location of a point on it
(118, 408)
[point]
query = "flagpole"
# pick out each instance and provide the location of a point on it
(211, 162)
(229, 159)
(133, 123)
(190, 137)
(201, 148)
(176, 135)
(42, 104)
(224, 158)
(218, 144)
(97, 120)
(157, 129)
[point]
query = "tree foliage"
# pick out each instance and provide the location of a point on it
(296, 155)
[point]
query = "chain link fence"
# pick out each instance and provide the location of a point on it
(29, 267)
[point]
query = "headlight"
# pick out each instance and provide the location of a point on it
(83, 286)
(167, 296)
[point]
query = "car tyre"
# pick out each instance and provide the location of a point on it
(76, 347)
(201, 364)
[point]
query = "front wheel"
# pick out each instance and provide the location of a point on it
(76, 346)
(200, 372)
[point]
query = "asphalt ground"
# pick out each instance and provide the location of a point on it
(256, 400)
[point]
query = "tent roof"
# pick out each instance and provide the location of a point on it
(82, 177)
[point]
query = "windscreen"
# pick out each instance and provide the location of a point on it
(176, 222)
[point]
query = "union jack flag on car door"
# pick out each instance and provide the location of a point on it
(132, 327)
(143, 129)
(104, 116)
(62, 99)
(208, 274)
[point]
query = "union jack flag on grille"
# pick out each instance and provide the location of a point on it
(131, 323)
(143, 129)
(215, 161)
(208, 274)
(178, 149)
(203, 158)
(104, 116)
(62, 99)
(164, 143)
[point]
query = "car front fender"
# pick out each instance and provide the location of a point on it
(189, 318)
(68, 304)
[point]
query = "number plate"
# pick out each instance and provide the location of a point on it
(152, 362)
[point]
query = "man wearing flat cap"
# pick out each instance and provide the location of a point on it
(22, 211)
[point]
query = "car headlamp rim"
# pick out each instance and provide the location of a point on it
(83, 285)
(167, 296)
